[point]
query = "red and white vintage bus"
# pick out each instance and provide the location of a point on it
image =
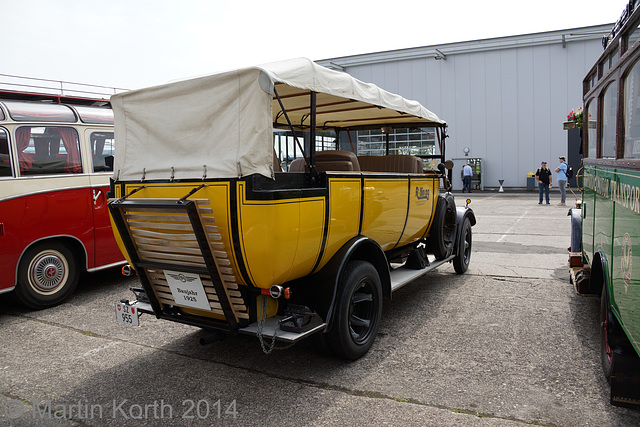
(56, 157)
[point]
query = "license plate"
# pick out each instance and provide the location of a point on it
(126, 314)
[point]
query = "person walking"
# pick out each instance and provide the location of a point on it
(561, 177)
(543, 176)
(467, 173)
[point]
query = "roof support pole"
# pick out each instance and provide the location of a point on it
(312, 133)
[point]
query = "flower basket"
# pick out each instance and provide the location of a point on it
(574, 119)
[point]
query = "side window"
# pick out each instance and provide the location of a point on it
(609, 113)
(48, 150)
(5, 158)
(592, 134)
(102, 151)
(632, 113)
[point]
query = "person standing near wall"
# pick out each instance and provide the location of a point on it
(543, 176)
(561, 177)
(467, 173)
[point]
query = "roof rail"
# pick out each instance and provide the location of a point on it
(46, 90)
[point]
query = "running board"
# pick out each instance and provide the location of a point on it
(271, 327)
(402, 275)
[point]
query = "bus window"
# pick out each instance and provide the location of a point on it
(609, 113)
(592, 134)
(5, 159)
(48, 150)
(102, 151)
(632, 113)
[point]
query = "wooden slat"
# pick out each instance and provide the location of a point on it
(169, 236)
(168, 249)
(170, 226)
(170, 243)
(167, 217)
(185, 260)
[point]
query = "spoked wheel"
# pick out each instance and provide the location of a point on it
(47, 274)
(358, 311)
(463, 257)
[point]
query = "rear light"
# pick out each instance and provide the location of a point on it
(127, 270)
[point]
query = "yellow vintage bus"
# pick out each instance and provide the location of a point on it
(223, 239)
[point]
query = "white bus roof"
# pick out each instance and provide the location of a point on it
(223, 123)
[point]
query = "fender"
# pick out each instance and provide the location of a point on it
(576, 229)
(463, 212)
(325, 283)
(598, 278)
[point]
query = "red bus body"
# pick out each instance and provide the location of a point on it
(54, 221)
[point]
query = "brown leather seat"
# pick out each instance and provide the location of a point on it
(329, 160)
(399, 163)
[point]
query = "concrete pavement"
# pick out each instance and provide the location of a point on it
(507, 343)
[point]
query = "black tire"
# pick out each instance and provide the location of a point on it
(442, 235)
(47, 274)
(607, 334)
(357, 312)
(463, 255)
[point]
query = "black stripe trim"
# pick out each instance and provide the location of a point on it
(325, 232)
(361, 205)
(234, 220)
(406, 215)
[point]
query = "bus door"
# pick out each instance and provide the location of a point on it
(102, 145)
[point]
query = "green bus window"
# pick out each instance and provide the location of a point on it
(632, 113)
(609, 113)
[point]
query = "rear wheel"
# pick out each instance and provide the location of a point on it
(463, 257)
(357, 312)
(48, 273)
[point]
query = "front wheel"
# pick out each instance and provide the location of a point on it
(357, 312)
(463, 256)
(47, 274)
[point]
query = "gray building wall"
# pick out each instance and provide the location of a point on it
(504, 98)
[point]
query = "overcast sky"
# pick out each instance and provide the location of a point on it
(137, 43)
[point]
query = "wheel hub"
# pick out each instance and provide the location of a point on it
(48, 272)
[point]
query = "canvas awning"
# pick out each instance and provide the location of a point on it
(220, 126)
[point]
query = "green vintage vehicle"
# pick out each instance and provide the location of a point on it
(606, 227)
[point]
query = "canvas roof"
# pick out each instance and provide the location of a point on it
(220, 126)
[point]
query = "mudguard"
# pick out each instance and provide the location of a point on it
(326, 281)
(576, 229)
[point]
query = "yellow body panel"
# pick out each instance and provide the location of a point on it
(344, 214)
(422, 194)
(385, 210)
(281, 239)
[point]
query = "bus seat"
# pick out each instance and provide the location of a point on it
(329, 160)
(399, 163)
(336, 160)
(41, 147)
(298, 165)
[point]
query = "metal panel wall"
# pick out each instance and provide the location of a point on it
(504, 98)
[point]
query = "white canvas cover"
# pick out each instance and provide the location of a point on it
(220, 126)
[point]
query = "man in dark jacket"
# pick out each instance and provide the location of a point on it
(543, 176)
